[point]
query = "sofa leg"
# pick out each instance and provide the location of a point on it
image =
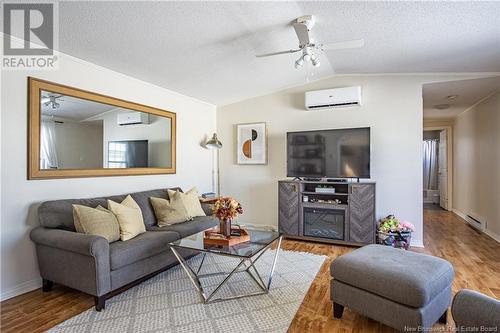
(443, 318)
(338, 310)
(100, 303)
(47, 285)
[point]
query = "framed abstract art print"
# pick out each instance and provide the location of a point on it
(251, 143)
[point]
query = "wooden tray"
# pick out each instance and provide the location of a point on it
(210, 238)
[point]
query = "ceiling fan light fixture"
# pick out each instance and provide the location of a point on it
(302, 26)
(315, 60)
(299, 63)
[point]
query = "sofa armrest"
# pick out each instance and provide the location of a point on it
(471, 309)
(73, 259)
(207, 208)
(89, 245)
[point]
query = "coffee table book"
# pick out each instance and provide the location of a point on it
(213, 237)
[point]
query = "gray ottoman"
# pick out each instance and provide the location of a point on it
(398, 288)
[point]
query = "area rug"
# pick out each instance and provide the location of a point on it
(169, 303)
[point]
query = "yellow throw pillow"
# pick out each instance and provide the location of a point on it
(129, 217)
(96, 221)
(169, 211)
(190, 200)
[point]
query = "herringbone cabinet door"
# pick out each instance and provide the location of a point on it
(288, 219)
(362, 219)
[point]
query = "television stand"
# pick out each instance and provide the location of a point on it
(330, 211)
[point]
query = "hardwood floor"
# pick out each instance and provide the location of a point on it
(475, 257)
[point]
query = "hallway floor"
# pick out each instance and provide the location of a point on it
(475, 257)
(432, 206)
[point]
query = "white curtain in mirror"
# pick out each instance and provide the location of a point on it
(48, 153)
(430, 165)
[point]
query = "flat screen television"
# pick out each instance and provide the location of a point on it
(128, 154)
(334, 153)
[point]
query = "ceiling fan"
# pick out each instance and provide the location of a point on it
(51, 100)
(308, 46)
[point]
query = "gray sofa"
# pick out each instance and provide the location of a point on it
(90, 264)
(475, 312)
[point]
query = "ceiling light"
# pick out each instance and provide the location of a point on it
(299, 63)
(442, 106)
(315, 60)
(452, 97)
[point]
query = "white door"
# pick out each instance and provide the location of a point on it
(443, 170)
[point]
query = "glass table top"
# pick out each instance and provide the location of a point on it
(259, 239)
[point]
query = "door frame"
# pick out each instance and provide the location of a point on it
(449, 157)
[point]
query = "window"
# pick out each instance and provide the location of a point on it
(117, 155)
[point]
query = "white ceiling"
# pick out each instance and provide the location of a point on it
(206, 49)
(72, 108)
(468, 92)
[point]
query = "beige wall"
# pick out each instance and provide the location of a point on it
(477, 163)
(21, 197)
(78, 145)
(391, 106)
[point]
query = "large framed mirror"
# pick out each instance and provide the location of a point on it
(77, 133)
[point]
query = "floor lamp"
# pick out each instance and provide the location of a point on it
(215, 144)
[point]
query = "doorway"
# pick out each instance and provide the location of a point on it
(436, 172)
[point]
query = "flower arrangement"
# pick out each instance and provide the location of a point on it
(395, 233)
(392, 224)
(226, 209)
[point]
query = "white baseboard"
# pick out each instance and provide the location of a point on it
(459, 213)
(20, 289)
(492, 235)
(487, 232)
(417, 243)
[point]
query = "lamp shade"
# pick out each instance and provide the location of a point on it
(214, 143)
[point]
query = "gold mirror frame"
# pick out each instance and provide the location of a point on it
(35, 86)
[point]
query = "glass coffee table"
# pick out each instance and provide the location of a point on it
(247, 253)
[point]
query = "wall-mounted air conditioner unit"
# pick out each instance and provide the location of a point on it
(333, 98)
(132, 118)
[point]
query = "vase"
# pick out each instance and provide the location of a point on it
(225, 227)
(395, 239)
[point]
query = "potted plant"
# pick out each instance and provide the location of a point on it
(392, 232)
(226, 209)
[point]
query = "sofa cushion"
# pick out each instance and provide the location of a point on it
(96, 221)
(145, 245)
(169, 212)
(129, 216)
(188, 228)
(409, 278)
(191, 201)
(59, 213)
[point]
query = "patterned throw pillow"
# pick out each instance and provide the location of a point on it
(96, 221)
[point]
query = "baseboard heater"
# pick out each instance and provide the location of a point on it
(475, 222)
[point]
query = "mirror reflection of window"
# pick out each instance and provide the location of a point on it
(48, 153)
(128, 154)
(117, 153)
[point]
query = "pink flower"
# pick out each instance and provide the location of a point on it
(408, 226)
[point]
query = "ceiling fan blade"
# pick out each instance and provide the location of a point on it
(349, 44)
(302, 33)
(276, 53)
